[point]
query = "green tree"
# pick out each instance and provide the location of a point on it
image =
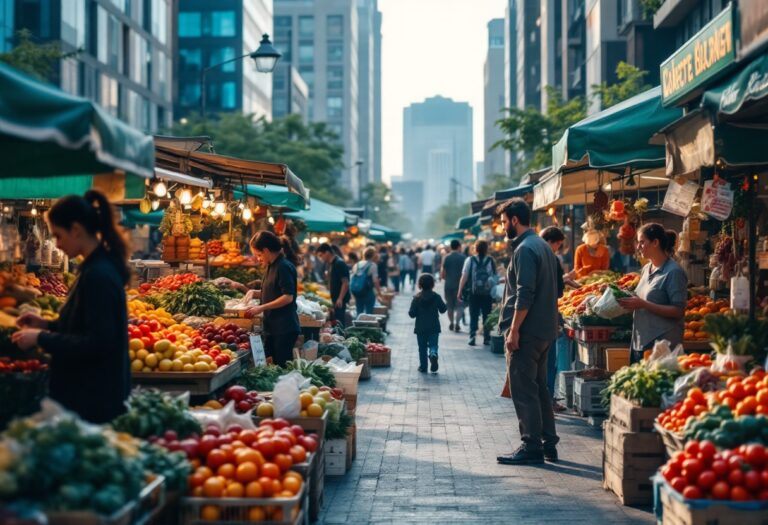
(631, 82)
(37, 60)
(650, 7)
(494, 183)
(443, 220)
(378, 201)
(533, 133)
(312, 151)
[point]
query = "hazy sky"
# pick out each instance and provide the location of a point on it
(432, 47)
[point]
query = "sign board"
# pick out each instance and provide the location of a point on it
(706, 54)
(753, 26)
(679, 197)
(257, 349)
(717, 199)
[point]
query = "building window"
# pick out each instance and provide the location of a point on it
(306, 26)
(190, 60)
(190, 94)
(308, 74)
(160, 20)
(283, 44)
(335, 25)
(222, 23)
(228, 95)
(283, 21)
(335, 51)
(335, 77)
(334, 107)
(220, 55)
(189, 25)
(306, 53)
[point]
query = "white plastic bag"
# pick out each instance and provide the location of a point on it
(607, 306)
(730, 361)
(663, 357)
(224, 417)
(285, 396)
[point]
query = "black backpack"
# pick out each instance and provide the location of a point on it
(482, 276)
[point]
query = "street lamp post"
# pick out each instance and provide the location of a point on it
(266, 57)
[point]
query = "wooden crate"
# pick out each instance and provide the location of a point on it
(317, 486)
(196, 383)
(632, 417)
(351, 445)
(380, 359)
(380, 310)
(307, 321)
(630, 459)
(587, 397)
(590, 354)
(672, 509)
(616, 357)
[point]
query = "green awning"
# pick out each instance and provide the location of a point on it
(448, 237)
(275, 196)
(54, 187)
(133, 217)
(45, 132)
(322, 217)
(618, 136)
(747, 86)
(384, 234)
(469, 221)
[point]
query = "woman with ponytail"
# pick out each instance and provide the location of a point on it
(278, 295)
(90, 369)
(661, 294)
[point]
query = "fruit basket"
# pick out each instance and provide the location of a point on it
(242, 511)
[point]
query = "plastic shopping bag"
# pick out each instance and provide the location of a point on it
(608, 306)
(730, 361)
(663, 357)
(285, 396)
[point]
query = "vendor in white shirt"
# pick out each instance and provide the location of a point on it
(427, 260)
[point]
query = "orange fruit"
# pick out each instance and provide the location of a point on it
(276, 514)
(283, 461)
(254, 490)
(227, 470)
(204, 471)
(213, 487)
(247, 472)
(298, 454)
(293, 474)
(247, 455)
(266, 486)
(270, 470)
(257, 514)
(197, 492)
(210, 513)
(285, 494)
(196, 480)
(277, 487)
(235, 489)
(292, 485)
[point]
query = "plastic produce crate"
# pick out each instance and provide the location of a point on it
(594, 334)
(234, 511)
(587, 397)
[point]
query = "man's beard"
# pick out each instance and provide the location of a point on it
(511, 233)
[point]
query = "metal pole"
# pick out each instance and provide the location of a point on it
(202, 94)
(752, 250)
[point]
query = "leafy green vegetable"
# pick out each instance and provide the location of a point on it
(366, 335)
(199, 299)
(151, 413)
(336, 427)
(641, 385)
(356, 348)
(492, 320)
(618, 293)
(260, 378)
(172, 465)
(320, 375)
(745, 336)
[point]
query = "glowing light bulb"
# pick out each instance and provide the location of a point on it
(160, 189)
(34, 212)
(220, 208)
(241, 206)
(247, 214)
(185, 197)
(155, 205)
(206, 204)
(271, 220)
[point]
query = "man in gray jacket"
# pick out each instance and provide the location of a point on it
(529, 318)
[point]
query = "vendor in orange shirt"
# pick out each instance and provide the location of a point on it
(592, 256)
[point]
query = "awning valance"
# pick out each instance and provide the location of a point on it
(275, 196)
(467, 222)
(322, 217)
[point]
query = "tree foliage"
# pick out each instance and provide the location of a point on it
(631, 82)
(650, 7)
(312, 151)
(37, 60)
(443, 220)
(378, 201)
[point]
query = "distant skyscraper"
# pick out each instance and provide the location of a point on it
(322, 39)
(409, 199)
(528, 53)
(494, 103)
(369, 86)
(605, 47)
(437, 150)
(124, 58)
(551, 49)
(574, 44)
(510, 67)
(479, 175)
(213, 32)
(290, 93)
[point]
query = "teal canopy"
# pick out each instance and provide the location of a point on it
(448, 237)
(468, 222)
(750, 85)
(133, 217)
(384, 234)
(46, 132)
(275, 196)
(322, 217)
(618, 136)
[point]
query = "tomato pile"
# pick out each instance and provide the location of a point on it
(25, 366)
(373, 348)
(169, 283)
(695, 360)
(675, 417)
(701, 472)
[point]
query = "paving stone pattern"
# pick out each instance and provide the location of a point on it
(427, 447)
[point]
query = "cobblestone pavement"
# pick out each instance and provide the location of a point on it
(427, 447)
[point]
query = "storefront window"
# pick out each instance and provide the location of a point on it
(189, 25)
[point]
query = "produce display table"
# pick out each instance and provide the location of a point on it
(196, 383)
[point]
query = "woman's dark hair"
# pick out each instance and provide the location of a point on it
(655, 232)
(481, 247)
(552, 234)
(96, 215)
(266, 240)
(337, 251)
(291, 249)
(426, 281)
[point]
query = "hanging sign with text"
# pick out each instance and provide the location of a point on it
(717, 199)
(679, 198)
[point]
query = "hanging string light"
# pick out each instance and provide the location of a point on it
(160, 189)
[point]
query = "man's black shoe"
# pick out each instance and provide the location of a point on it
(471, 341)
(433, 363)
(522, 457)
(422, 370)
(486, 342)
(450, 328)
(550, 454)
(457, 328)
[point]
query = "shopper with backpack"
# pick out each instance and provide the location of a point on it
(364, 284)
(479, 276)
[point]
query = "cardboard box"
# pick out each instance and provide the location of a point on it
(632, 417)
(616, 357)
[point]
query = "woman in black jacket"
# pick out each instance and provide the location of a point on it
(90, 369)
(426, 308)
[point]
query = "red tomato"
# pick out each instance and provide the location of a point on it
(720, 468)
(707, 449)
(692, 492)
(739, 494)
(692, 468)
(752, 481)
(736, 477)
(755, 455)
(706, 480)
(267, 447)
(679, 483)
(669, 472)
(216, 458)
(735, 461)
(721, 490)
(692, 448)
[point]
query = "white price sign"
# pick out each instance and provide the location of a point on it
(679, 197)
(257, 349)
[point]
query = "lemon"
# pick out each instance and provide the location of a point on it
(146, 369)
(162, 345)
(201, 367)
(314, 390)
(151, 361)
(177, 365)
(186, 359)
(205, 359)
(142, 354)
(188, 367)
(131, 355)
(165, 365)
(135, 344)
(137, 365)
(178, 354)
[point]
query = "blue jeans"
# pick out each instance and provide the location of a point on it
(395, 282)
(479, 305)
(559, 355)
(365, 303)
(426, 342)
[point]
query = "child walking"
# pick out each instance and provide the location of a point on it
(426, 308)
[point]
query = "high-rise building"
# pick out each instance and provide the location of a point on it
(493, 102)
(124, 58)
(646, 48)
(369, 88)
(573, 49)
(437, 150)
(605, 47)
(291, 93)
(210, 33)
(551, 48)
(510, 68)
(528, 49)
(409, 199)
(323, 40)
